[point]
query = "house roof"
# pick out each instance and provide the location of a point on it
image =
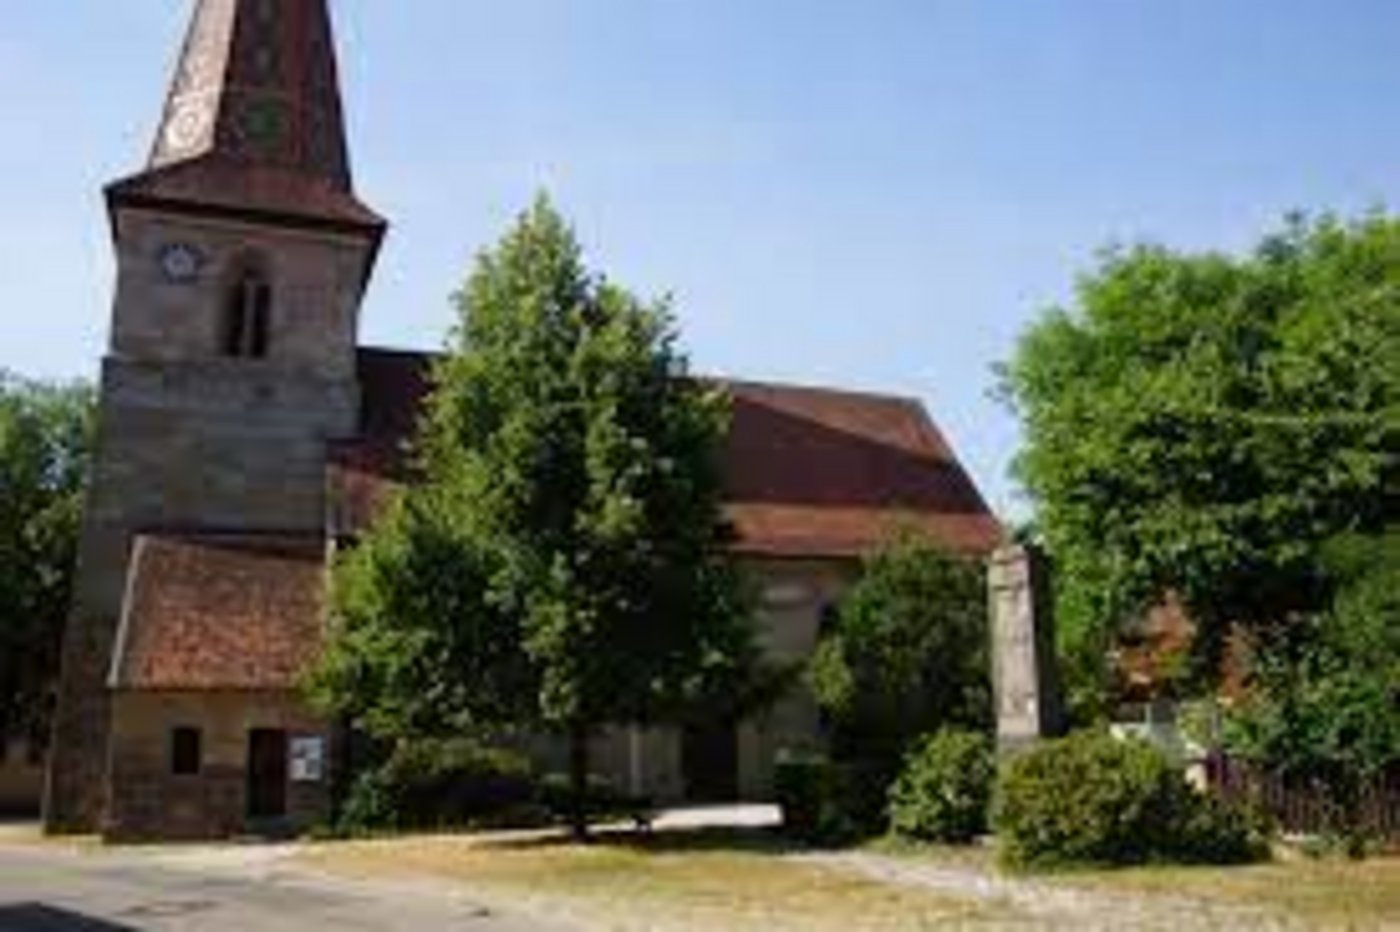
(809, 472)
(220, 612)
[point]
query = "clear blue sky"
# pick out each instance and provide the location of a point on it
(873, 193)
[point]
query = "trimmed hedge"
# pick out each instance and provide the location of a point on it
(1092, 799)
(945, 789)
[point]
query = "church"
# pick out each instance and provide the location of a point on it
(243, 434)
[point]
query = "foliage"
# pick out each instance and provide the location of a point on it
(1324, 707)
(906, 655)
(562, 561)
(603, 799)
(45, 437)
(945, 789)
(818, 798)
(437, 785)
(1202, 424)
(1091, 799)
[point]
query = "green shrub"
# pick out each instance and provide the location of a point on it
(818, 800)
(904, 654)
(1091, 799)
(602, 798)
(440, 784)
(945, 789)
(368, 806)
(1216, 832)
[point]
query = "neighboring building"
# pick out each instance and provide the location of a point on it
(242, 432)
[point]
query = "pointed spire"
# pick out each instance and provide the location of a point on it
(253, 119)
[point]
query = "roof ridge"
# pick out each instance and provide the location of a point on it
(812, 387)
(815, 388)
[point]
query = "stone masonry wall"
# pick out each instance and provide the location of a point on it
(794, 594)
(188, 440)
(149, 803)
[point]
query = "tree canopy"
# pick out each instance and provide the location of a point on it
(44, 450)
(905, 654)
(1203, 425)
(561, 561)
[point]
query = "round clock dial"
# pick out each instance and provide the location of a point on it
(187, 125)
(180, 262)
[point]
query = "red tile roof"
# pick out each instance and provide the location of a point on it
(228, 613)
(215, 185)
(809, 472)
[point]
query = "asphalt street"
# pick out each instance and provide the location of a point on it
(45, 888)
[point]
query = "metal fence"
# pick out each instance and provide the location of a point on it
(1305, 807)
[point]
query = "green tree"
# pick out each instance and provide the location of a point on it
(905, 655)
(562, 563)
(44, 448)
(1325, 707)
(1202, 424)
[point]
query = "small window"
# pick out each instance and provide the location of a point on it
(186, 754)
(248, 317)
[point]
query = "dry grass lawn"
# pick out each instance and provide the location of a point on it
(1314, 894)
(691, 881)
(749, 881)
(1293, 892)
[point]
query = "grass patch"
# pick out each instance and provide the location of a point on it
(682, 880)
(981, 856)
(31, 834)
(1320, 894)
(749, 880)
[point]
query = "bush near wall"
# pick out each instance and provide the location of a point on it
(819, 801)
(944, 792)
(1092, 799)
(437, 784)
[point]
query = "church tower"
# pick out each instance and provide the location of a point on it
(242, 257)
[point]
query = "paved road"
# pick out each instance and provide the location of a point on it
(51, 889)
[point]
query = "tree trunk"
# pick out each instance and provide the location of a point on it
(578, 781)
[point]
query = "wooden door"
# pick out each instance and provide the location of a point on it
(267, 773)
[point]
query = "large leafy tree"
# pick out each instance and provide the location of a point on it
(1326, 704)
(904, 655)
(562, 562)
(44, 445)
(1202, 424)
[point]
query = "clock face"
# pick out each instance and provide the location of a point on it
(180, 262)
(187, 126)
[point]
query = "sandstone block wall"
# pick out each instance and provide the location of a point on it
(1025, 679)
(794, 594)
(148, 802)
(794, 597)
(188, 440)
